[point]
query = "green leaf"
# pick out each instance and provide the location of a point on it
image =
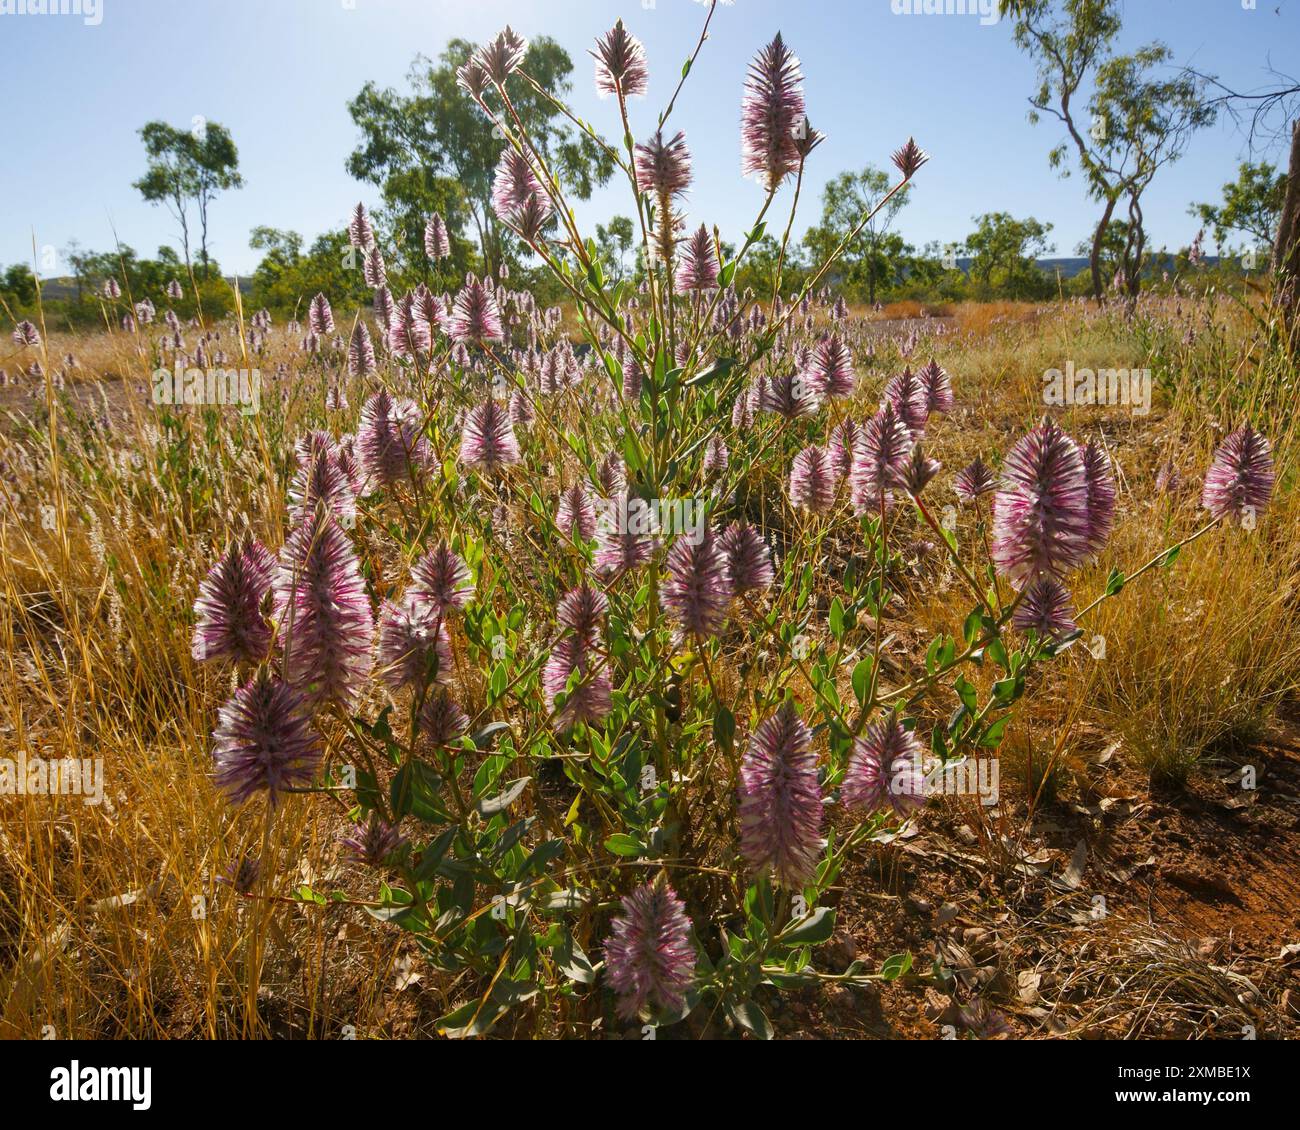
(748, 1015)
(490, 806)
(993, 735)
(811, 931)
(473, 1019)
(620, 843)
(483, 738)
(896, 966)
(1115, 582)
(862, 679)
(724, 729)
(837, 618)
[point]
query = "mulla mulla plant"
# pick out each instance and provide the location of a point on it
(581, 614)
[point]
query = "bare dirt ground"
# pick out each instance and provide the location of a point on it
(1140, 910)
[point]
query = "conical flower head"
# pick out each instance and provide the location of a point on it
(697, 590)
(442, 578)
(229, 605)
(322, 480)
(919, 471)
(521, 409)
(1101, 496)
(649, 958)
(791, 395)
(373, 843)
(437, 243)
(620, 63)
(320, 317)
(514, 185)
(475, 317)
(1239, 483)
(326, 626)
(1046, 608)
(583, 612)
(840, 444)
(531, 219)
(264, 741)
(390, 440)
(974, 480)
(909, 158)
(429, 307)
(576, 515)
(909, 398)
(770, 112)
(361, 352)
(409, 333)
(780, 800)
(812, 480)
(503, 56)
(576, 670)
(884, 770)
(442, 721)
(611, 476)
(25, 334)
(663, 168)
(414, 647)
(698, 268)
(831, 367)
(487, 440)
(938, 387)
(373, 270)
(749, 561)
(360, 232)
(473, 79)
(879, 458)
(384, 308)
(716, 455)
(624, 534)
(1040, 512)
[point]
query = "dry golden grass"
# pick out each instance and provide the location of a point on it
(113, 921)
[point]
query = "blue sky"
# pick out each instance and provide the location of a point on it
(278, 74)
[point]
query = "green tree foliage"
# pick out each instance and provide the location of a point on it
(187, 170)
(1252, 205)
(432, 150)
(877, 256)
(614, 240)
(1135, 118)
(1004, 252)
(18, 286)
(287, 278)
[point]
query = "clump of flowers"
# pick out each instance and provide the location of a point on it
(598, 593)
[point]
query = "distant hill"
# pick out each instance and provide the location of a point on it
(1076, 265)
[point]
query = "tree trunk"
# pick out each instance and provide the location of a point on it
(1286, 253)
(1134, 252)
(1094, 261)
